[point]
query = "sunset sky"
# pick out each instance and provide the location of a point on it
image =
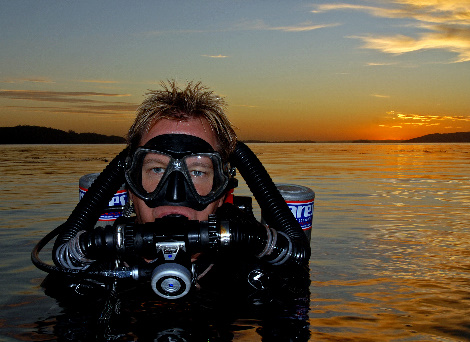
(289, 70)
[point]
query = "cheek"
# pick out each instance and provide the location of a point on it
(142, 212)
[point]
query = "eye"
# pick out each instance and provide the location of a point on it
(157, 170)
(155, 164)
(197, 173)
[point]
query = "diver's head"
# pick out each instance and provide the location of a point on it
(177, 170)
(193, 110)
(193, 101)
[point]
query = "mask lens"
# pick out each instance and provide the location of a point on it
(155, 174)
(154, 166)
(201, 171)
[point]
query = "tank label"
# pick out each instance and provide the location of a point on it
(119, 199)
(111, 216)
(303, 212)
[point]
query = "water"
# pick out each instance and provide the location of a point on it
(390, 245)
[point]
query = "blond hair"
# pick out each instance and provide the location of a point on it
(174, 103)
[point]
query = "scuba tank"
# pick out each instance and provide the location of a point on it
(300, 200)
(171, 241)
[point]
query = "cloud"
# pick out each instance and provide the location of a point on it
(381, 96)
(450, 12)
(56, 96)
(260, 25)
(456, 40)
(98, 81)
(115, 109)
(215, 56)
(446, 24)
(253, 25)
(89, 103)
(301, 28)
(376, 11)
(425, 120)
(24, 80)
(379, 64)
(387, 126)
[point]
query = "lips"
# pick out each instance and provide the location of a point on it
(168, 211)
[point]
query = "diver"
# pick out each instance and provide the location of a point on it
(179, 168)
(183, 230)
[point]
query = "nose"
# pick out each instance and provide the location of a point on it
(175, 191)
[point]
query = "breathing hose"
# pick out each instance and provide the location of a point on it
(271, 202)
(88, 210)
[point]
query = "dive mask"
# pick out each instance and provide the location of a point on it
(177, 170)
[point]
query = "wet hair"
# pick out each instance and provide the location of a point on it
(174, 103)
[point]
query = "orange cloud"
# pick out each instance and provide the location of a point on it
(452, 39)
(450, 12)
(423, 120)
(447, 23)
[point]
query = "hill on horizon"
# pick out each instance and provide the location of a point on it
(443, 137)
(46, 135)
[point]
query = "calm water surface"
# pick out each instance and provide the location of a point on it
(390, 245)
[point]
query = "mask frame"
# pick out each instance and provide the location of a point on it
(176, 187)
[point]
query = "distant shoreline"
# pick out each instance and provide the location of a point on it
(44, 135)
(460, 137)
(22, 135)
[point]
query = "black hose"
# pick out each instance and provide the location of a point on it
(275, 210)
(84, 273)
(88, 210)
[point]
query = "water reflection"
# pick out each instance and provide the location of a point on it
(395, 309)
(408, 225)
(390, 244)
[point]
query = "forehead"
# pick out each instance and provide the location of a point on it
(198, 127)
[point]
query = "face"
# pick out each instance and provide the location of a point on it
(196, 127)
